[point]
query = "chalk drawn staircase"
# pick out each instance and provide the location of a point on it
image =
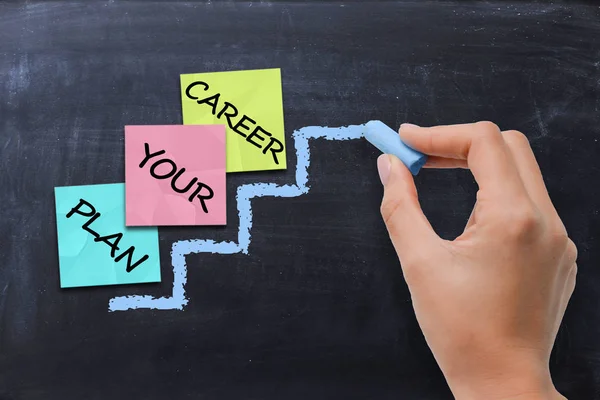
(245, 193)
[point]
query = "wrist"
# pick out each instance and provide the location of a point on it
(552, 395)
(516, 379)
(508, 391)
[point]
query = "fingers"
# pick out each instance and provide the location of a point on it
(516, 143)
(529, 170)
(472, 218)
(408, 227)
(442, 163)
(569, 288)
(570, 284)
(479, 144)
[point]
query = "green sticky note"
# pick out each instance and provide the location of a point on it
(95, 247)
(250, 105)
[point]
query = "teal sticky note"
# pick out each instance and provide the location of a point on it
(95, 248)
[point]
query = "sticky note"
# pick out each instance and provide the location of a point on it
(94, 246)
(388, 141)
(175, 175)
(250, 104)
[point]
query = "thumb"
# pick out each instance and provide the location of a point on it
(407, 226)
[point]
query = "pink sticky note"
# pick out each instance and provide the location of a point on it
(175, 175)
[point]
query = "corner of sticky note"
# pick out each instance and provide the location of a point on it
(250, 104)
(95, 248)
(175, 175)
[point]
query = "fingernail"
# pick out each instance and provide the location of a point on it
(409, 126)
(384, 166)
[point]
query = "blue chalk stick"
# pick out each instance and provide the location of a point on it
(388, 141)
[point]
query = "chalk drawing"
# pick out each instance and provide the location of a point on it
(245, 193)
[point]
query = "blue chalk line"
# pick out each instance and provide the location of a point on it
(245, 193)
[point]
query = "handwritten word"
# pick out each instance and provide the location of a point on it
(114, 246)
(230, 112)
(175, 175)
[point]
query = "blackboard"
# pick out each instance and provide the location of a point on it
(317, 308)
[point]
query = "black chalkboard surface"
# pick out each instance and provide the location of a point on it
(317, 308)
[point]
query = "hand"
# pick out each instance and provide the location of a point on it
(490, 302)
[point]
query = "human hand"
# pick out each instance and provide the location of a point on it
(491, 301)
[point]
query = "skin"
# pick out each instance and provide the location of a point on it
(491, 301)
